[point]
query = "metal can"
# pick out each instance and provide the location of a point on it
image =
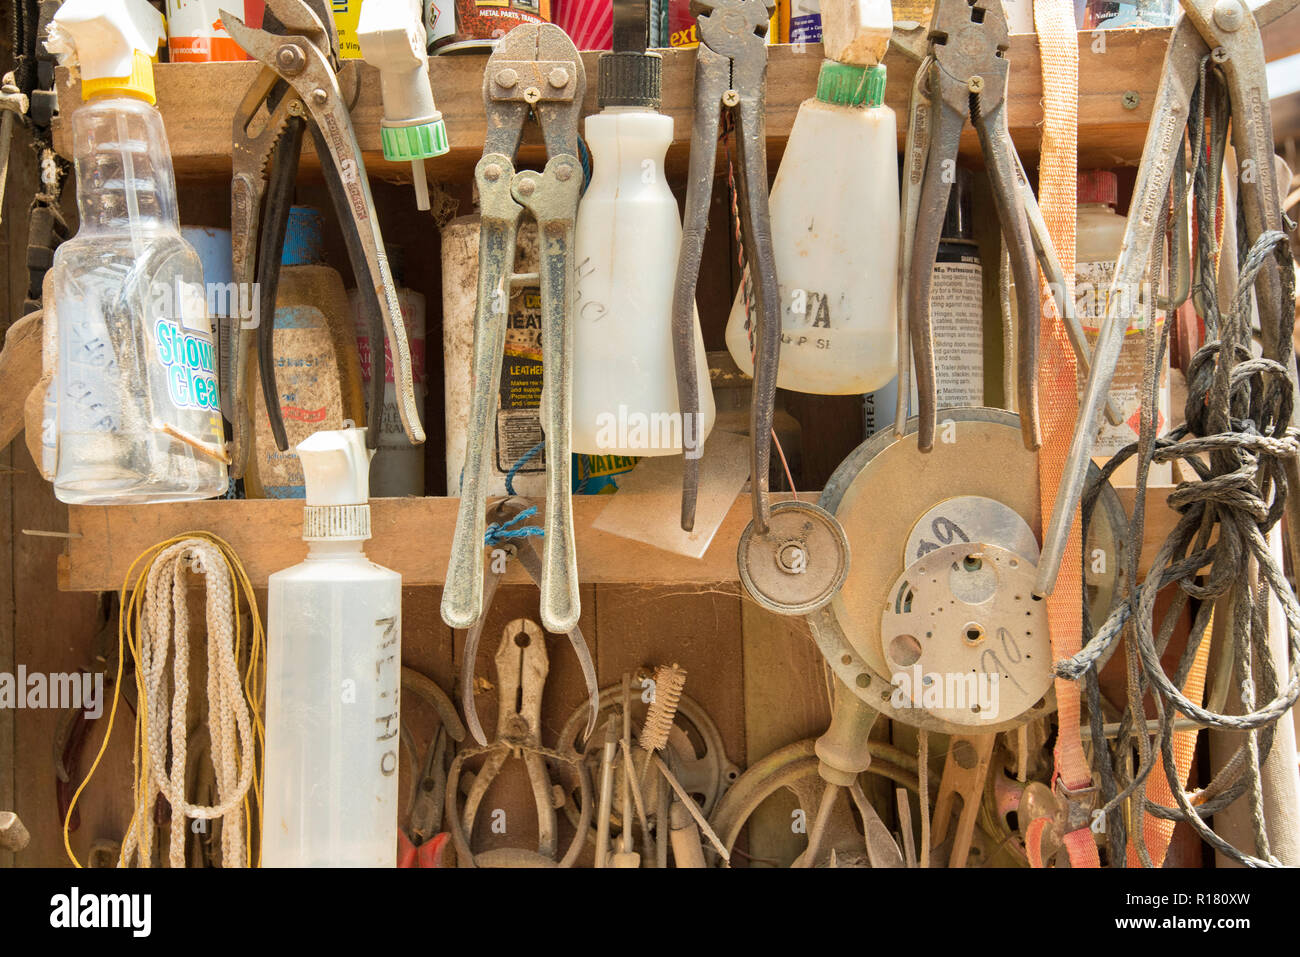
(195, 34)
(589, 23)
(479, 24)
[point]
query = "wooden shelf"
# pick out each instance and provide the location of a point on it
(413, 536)
(198, 101)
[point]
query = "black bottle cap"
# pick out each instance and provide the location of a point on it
(629, 76)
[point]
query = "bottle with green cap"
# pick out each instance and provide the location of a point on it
(392, 38)
(136, 406)
(626, 242)
(834, 207)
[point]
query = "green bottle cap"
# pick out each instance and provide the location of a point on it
(416, 142)
(845, 84)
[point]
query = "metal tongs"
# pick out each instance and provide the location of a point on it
(966, 74)
(535, 70)
(1227, 31)
(524, 550)
(916, 153)
(731, 74)
(298, 90)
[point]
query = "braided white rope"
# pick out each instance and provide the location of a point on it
(164, 635)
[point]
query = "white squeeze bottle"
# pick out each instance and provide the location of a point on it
(627, 239)
(834, 210)
(137, 412)
(333, 676)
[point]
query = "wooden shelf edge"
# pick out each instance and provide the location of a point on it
(198, 100)
(413, 536)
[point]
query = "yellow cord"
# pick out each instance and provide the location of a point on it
(129, 608)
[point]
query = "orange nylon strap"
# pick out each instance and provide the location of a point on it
(1057, 193)
(1156, 831)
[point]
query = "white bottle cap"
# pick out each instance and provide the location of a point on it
(112, 43)
(336, 468)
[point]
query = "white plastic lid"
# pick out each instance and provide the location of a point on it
(336, 469)
(105, 35)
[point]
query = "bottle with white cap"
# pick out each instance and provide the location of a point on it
(333, 677)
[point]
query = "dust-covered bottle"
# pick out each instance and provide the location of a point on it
(333, 678)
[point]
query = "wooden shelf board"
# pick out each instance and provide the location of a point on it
(198, 102)
(413, 536)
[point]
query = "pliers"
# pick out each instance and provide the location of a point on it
(298, 90)
(534, 69)
(966, 74)
(1227, 31)
(522, 665)
(730, 74)
(422, 843)
(525, 552)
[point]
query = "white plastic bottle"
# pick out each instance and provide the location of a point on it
(138, 415)
(834, 210)
(1100, 235)
(333, 678)
(627, 241)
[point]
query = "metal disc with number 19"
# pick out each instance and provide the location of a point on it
(799, 564)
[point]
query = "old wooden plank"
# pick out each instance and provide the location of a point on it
(785, 702)
(200, 136)
(412, 536)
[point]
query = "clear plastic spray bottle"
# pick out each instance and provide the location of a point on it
(138, 417)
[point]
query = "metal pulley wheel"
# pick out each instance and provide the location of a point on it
(979, 486)
(798, 565)
(794, 769)
(695, 742)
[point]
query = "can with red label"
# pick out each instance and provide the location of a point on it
(479, 24)
(195, 34)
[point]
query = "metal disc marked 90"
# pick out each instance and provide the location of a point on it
(965, 638)
(799, 564)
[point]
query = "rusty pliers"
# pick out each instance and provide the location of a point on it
(535, 68)
(522, 665)
(1227, 31)
(731, 74)
(966, 75)
(296, 90)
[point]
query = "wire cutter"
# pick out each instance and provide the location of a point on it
(526, 553)
(534, 69)
(1228, 32)
(522, 664)
(298, 90)
(730, 74)
(966, 73)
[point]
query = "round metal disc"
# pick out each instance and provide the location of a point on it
(799, 564)
(971, 518)
(882, 490)
(964, 637)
